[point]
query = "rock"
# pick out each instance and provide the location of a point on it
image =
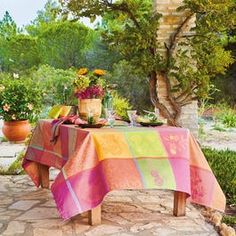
(112, 198)
(141, 227)
(3, 187)
(47, 232)
(48, 223)
(49, 203)
(123, 207)
(148, 199)
(138, 217)
(81, 228)
(39, 214)
(227, 230)
(23, 205)
(6, 201)
(160, 231)
(104, 229)
(115, 218)
(14, 227)
(67, 230)
(216, 218)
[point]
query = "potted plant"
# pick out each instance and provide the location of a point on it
(89, 89)
(20, 101)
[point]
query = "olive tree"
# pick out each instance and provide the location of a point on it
(191, 61)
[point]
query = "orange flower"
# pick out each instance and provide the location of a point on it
(82, 71)
(99, 72)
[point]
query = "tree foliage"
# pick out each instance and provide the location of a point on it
(62, 44)
(8, 27)
(190, 62)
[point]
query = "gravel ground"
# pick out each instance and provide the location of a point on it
(219, 140)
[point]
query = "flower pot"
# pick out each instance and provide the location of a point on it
(16, 131)
(90, 107)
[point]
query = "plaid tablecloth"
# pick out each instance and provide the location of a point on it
(96, 161)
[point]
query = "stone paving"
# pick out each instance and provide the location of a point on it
(28, 211)
(9, 153)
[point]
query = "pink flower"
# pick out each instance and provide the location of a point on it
(91, 92)
(6, 107)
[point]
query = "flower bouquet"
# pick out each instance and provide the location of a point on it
(90, 90)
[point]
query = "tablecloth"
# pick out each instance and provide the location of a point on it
(94, 162)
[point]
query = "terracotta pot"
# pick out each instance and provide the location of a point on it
(90, 106)
(16, 131)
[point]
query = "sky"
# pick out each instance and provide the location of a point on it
(22, 11)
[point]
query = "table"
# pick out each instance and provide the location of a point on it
(94, 162)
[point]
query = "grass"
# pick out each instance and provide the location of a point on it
(230, 220)
(226, 115)
(3, 139)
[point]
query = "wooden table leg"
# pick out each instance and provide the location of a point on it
(95, 216)
(43, 175)
(179, 203)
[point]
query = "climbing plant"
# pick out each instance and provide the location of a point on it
(189, 62)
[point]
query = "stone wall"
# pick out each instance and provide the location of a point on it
(169, 23)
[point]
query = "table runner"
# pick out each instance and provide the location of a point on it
(96, 161)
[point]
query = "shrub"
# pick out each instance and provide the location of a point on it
(226, 115)
(132, 84)
(121, 105)
(57, 85)
(20, 98)
(229, 119)
(223, 164)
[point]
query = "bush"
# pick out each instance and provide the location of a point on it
(223, 164)
(20, 98)
(229, 119)
(57, 85)
(121, 105)
(132, 84)
(226, 115)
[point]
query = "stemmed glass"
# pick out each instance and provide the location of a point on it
(111, 117)
(132, 114)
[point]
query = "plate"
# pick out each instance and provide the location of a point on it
(152, 124)
(91, 126)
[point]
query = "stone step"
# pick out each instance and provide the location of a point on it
(9, 153)
(5, 163)
(10, 150)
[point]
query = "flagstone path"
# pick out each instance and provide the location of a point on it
(28, 211)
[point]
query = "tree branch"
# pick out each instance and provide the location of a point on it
(170, 97)
(123, 7)
(176, 37)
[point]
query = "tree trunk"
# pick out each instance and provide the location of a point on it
(167, 106)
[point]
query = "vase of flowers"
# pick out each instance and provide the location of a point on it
(89, 89)
(20, 101)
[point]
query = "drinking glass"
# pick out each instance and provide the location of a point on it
(111, 118)
(132, 114)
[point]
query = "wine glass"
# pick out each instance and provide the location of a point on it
(111, 117)
(132, 114)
